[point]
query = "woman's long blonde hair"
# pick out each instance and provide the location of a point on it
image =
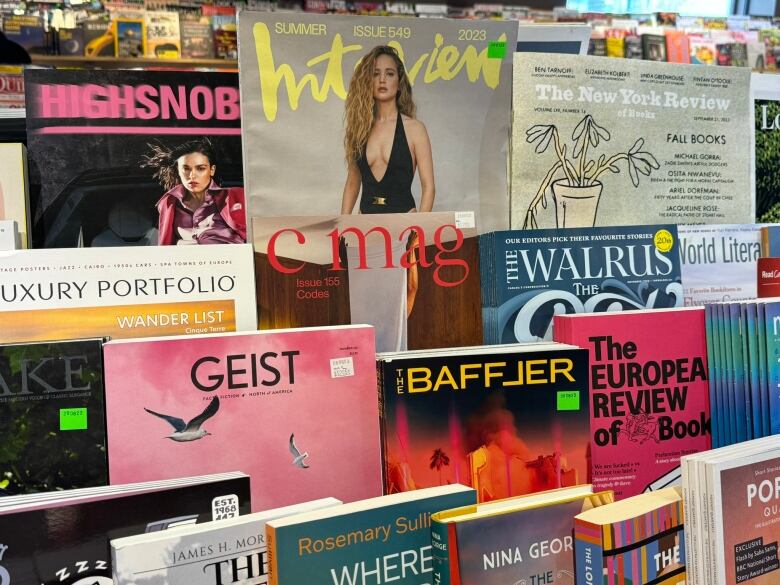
(359, 110)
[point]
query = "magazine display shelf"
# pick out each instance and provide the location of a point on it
(125, 62)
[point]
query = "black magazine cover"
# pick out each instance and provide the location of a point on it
(119, 157)
(69, 544)
(52, 417)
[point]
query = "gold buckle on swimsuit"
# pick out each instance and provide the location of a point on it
(380, 201)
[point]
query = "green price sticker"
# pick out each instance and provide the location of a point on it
(569, 400)
(496, 49)
(73, 419)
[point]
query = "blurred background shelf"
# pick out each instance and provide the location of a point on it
(129, 62)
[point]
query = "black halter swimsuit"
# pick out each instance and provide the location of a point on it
(393, 194)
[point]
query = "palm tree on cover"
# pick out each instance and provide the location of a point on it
(438, 460)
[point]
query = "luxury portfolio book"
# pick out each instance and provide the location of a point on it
(308, 105)
(125, 292)
(296, 410)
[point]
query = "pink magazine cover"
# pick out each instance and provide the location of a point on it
(649, 394)
(296, 410)
(678, 49)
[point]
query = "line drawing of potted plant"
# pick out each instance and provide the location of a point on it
(577, 193)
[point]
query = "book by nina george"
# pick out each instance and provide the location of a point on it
(507, 420)
(378, 540)
(52, 417)
(413, 276)
(296, 410)
(536, 274)
(649, 391)
(496, 543)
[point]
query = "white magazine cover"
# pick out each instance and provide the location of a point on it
(224, 551)
(718, 262)
(742, 498)
(321, 128)
(599, 142)
(9, 235)
(126, 292)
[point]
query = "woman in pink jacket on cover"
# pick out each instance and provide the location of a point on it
(194, 209)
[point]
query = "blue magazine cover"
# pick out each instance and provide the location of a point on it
(541, 273)
(750, 349)
(741, 392)
(763, 369)
(772, 324)
(713, 360)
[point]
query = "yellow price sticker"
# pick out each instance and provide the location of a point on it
(663, 240)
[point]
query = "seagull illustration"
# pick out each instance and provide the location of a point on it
(189, 431)
(299, 457)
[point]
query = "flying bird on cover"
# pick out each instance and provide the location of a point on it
(189, 431)
(299, 457)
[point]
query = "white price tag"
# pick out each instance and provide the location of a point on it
(465, 220)
(224, 507)
(342, 367)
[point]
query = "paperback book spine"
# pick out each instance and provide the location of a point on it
(588, 553)
(772, 339)
(273, 557)
(689, 510)
(486, 254)
(445, 553)
(715, 412)
(763, 370)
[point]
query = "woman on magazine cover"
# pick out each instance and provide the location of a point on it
(383, 139)
(194, 209)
